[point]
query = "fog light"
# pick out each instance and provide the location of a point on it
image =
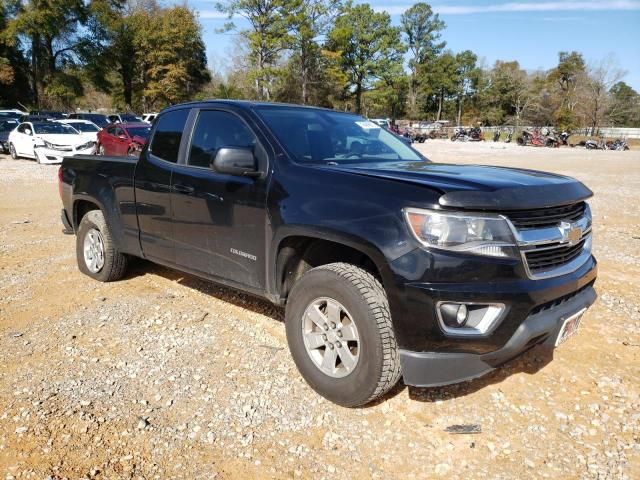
(468, 318)
(461, 316)
(454, 315)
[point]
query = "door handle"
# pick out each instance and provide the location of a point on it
(183, 189)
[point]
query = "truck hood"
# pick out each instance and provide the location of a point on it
(480, 186)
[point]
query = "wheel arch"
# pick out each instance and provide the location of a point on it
(81, 206)
(301, 249)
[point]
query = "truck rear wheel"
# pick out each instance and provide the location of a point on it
(340, 334)
(96, 253)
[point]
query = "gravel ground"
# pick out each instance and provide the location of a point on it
(163, 375)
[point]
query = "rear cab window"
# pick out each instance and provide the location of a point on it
(167, 136)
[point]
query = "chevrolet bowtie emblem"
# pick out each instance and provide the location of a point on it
(571, 233)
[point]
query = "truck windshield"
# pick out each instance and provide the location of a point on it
(322, 136)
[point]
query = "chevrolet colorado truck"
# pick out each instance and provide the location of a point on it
(388, 265)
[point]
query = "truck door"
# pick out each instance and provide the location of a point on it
(219, 220)
(153, 187)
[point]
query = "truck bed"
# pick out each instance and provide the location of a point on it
(87, 178)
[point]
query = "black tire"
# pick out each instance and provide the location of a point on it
(378, 367)
(12, 152)
(115, 263)
(520, 141)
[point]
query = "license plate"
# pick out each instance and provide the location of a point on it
(569, 327)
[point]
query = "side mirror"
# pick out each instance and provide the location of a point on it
(27, 131)
(236, 161)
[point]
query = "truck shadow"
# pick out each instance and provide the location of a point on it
(142, 267)
(530, 362)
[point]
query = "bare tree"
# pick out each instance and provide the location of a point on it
(594, 92)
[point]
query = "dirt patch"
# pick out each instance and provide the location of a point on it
(163, 375)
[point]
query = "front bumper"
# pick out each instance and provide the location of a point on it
(429, 369)
(50, 156)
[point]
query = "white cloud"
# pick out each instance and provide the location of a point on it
(524, 7)
(211, 14)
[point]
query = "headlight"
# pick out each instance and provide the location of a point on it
(477, 234)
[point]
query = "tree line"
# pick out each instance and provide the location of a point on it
(333, 53)
(57, 54)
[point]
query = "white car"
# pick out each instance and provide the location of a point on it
(383, 122)
(48, 142)
(87, 129)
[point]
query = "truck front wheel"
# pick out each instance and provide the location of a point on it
(340, 334)
(96, 253)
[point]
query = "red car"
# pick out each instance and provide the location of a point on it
(123, 139)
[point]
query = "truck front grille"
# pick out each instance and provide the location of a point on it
(546, 217)
(546, 258)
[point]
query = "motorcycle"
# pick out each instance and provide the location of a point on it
(564, 138)
(418, 137)
(537, 138)
(472, 135)
(619, 145)
(592, 144)
(509, 135)
(530, 138)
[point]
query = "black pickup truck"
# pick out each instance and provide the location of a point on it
(388, 265)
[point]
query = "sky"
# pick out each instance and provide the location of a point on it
(531, 32)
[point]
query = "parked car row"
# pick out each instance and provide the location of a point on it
(99, 119)
(48, 141)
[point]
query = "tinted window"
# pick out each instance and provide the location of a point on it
(111, 130)
(98, 119)
(22, 127)
(84, 127)
(322, 136)
(7, 126)
(10, 115)
(214, 130)
(168, 133)
(54, 128)
(127, 117)
(139, 131)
